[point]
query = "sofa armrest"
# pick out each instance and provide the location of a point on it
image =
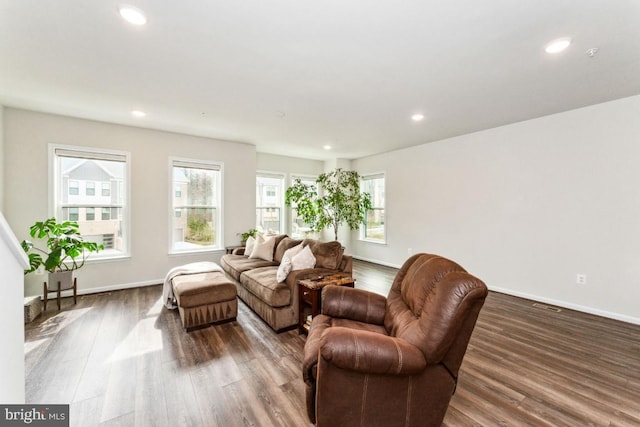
(354, 304)
(370, 352)
(346, 264)
(238, 251)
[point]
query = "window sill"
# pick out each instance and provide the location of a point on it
(375, 242)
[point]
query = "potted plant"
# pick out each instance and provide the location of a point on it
(253, 232)
(66, 250)
(340, 201)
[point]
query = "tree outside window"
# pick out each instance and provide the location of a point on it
(196, 206)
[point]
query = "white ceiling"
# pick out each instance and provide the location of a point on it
(290, 76)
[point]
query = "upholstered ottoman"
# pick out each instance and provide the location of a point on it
(205, 298)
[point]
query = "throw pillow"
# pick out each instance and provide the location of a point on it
(263, 249)
(248, 246)
(304, 259)
(285, 264)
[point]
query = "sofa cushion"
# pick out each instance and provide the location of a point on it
(328, 254)
(234, 265)
(192, 290)
(304, 259)
(285, 265)
(263, 249)
(250, 243)
(285, 244)
(262, 283)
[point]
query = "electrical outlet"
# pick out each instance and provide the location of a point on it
(409, 251)
(581, 279)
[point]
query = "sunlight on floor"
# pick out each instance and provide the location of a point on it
(54, 325)
(144, 338)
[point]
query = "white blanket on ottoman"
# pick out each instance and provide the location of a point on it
(194, 268)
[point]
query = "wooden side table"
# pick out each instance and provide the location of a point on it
(310, 296)
(230, 249)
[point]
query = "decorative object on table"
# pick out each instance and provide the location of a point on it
(66, 251)
(341, 201)
(253, 232)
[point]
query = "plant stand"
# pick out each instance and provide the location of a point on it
(58, 289)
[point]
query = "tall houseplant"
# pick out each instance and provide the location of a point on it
(66, 249)
(336, 200)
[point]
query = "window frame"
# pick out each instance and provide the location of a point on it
(283, 214)
(92, 153)
(196, 164)
(363, 229)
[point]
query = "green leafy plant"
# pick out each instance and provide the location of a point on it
(67, 250)
(253, 232)
(340, 201)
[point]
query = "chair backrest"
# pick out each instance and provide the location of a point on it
(433, 304)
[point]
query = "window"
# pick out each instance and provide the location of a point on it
(74, 188)
(196, 207)
(374, 226)
(82, 167)
(269, 202)
(299, 228)
(71, 214)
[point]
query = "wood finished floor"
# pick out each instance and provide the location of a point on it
(120, 358)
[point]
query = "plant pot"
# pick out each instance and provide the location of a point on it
(64, 277)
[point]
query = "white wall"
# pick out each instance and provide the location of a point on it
(526, 207)
(13, 261)
(27, 135)
(288, 165)
(1, 157)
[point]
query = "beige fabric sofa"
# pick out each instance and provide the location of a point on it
(277, 303)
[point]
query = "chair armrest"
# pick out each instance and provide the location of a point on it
(354, 304)
(370, 352)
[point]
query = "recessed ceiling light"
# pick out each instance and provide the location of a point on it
(417, 117)
(138, 113)
(133, 15)
(326, 147)
(557, 46)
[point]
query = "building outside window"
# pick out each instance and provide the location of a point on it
(74, 188)
(196, 211)
(374, 227)
(270, 202)
(76, 168)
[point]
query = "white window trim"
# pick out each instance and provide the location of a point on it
(283, 209)
(201, 164)
(87, 151)
(361, 233)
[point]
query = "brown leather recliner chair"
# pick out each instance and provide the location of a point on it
(376, 361)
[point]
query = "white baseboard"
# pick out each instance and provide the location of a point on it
(110, 288)
(375, 261)
(568, 305)
(538, 298)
